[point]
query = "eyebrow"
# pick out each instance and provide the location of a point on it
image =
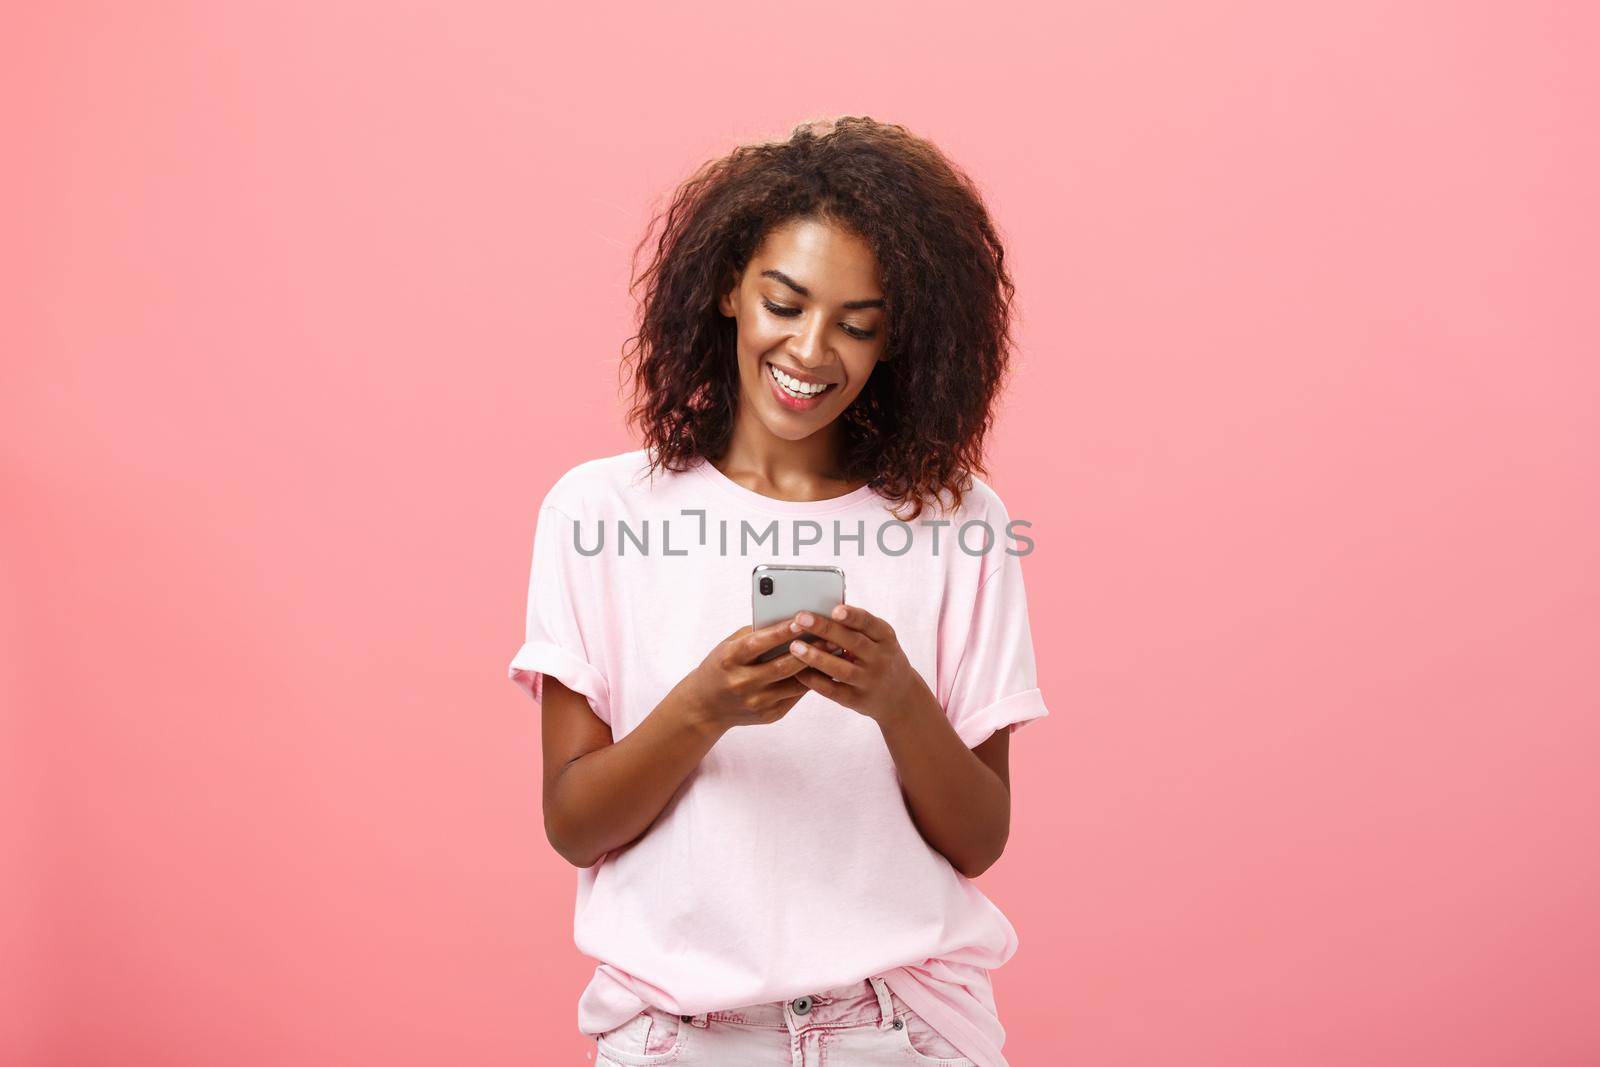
(803, 291)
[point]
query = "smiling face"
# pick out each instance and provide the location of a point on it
(811, 326)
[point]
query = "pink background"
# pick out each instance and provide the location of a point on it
(306, 305)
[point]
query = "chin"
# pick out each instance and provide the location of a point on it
(790, 427)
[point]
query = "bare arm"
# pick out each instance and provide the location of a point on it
(959, 798)
(600, 794)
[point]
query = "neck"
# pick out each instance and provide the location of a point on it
(807, 468)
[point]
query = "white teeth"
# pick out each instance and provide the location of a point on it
(794, 386)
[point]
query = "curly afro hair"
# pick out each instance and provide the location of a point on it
(916, 430)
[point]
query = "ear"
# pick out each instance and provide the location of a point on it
(728, 301)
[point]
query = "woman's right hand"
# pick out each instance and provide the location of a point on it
(730, 689)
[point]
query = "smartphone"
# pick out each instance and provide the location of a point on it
(779, 590)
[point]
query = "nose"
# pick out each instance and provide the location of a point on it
(809, 349)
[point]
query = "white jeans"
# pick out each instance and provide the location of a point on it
(862, 1023)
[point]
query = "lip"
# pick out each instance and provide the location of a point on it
(791, 372)
(784, 398)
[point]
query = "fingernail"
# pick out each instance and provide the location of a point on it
(794, 627)
(804, 618)
(839, 612)
(797, 646)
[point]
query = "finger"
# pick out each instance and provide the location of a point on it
(838, 669)
(832, 630)
(776, 670)
(857, 618)
(777, 710)
(818, 682)
(754, 642)
(788, 692)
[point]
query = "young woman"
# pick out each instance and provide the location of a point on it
(775, 858)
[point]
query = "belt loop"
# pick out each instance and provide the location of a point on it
(885, 1005)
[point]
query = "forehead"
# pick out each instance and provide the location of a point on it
(830, 261)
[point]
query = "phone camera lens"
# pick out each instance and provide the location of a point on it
(766, 586)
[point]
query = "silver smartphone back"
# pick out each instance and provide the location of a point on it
(779, 590)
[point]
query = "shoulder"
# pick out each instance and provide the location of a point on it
(597, 486)
(985, 526)
(980, 502)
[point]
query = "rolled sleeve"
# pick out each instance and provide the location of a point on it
(1012, 713)
(554, 640)
(994, 684)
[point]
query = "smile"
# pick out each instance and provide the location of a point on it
(794, 392)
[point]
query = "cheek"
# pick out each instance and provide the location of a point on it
(759, 333)
(750, 342)
(860, 371)
(850, 395)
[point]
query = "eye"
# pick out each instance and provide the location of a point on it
(787, 312)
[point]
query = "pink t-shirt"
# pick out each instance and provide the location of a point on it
(788, 862)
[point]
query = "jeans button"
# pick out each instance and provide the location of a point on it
(899, 1024)
(801, 1005)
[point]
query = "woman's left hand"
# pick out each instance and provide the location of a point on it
(866, 671)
